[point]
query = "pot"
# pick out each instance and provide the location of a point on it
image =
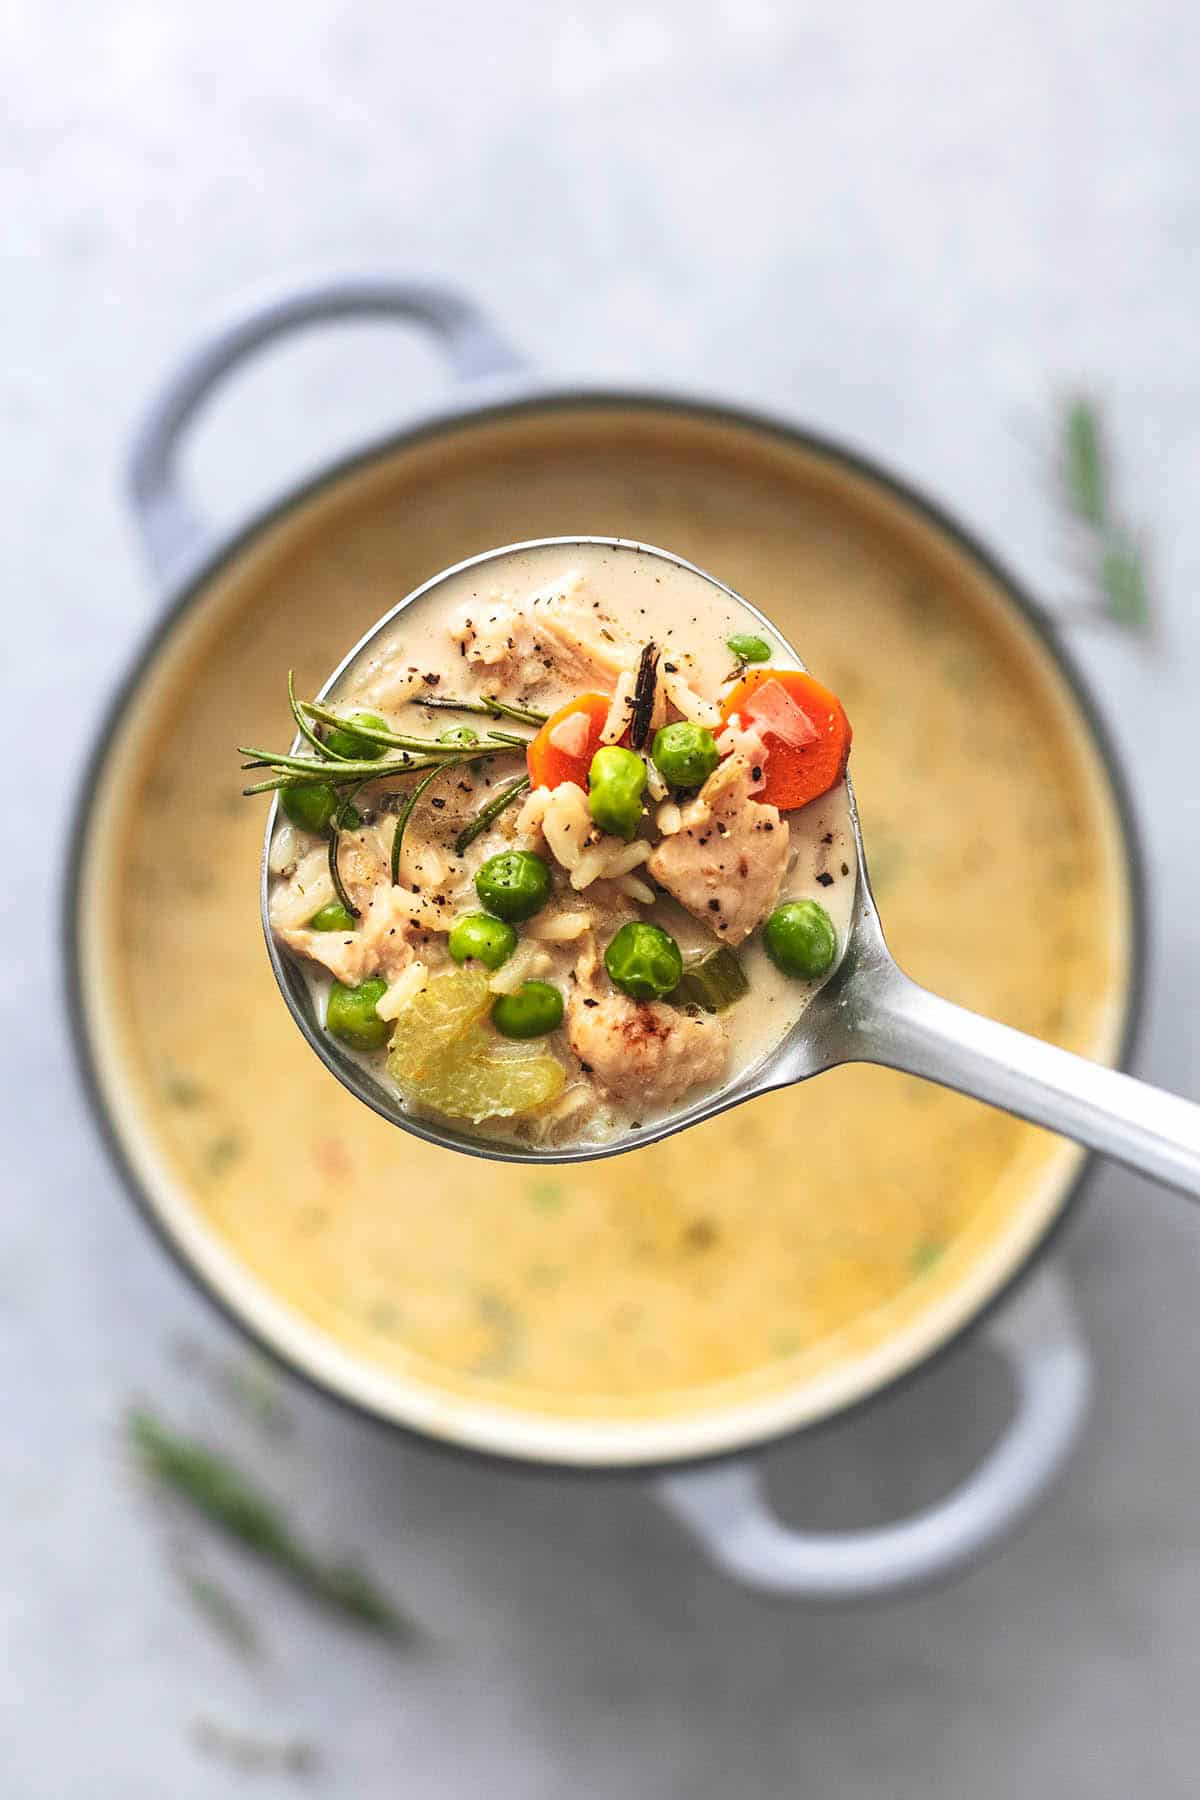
(702, 1469)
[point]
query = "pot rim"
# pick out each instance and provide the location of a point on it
(492, 400)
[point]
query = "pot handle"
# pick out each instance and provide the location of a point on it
(727, 1509)
(174, 535)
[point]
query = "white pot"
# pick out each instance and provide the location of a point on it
(699, 1465)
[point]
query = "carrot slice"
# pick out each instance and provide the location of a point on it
(549, 766)
(797, 773)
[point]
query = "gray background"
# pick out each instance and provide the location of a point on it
(910, 226)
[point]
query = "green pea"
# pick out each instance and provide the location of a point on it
(345, 742)
(513, 885)
(490, 941)
(616, 780)
(800, 940)
(351, 1016)
(684, 754)
(313, 807)
(331, 917)
(310, 807)
(459, 734)
(532, 1011)
(748, 648)
(644, 961)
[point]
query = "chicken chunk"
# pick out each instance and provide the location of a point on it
(726, 862)
(380, 942)
(644, 1051)
(562, 630)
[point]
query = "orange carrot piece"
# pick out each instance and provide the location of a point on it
(797, 773)
(548, 765)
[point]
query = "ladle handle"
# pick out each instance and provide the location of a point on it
(905, 1027)
(176, 537)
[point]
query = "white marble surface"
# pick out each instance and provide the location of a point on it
(910, 225)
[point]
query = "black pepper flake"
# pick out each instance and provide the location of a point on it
(825, 879)
(437, 804)
(845, 868)
(432, 679)
(586, 1067)
(828, 838)
(757, 773)
(591, 1003)
(671, 668)
(714, 906)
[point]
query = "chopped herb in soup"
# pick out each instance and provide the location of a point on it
(548, 862)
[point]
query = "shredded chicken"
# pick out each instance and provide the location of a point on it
(558, 631)
(726, 862)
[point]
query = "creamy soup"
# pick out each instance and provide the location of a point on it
(775, 1245)
(620, 909)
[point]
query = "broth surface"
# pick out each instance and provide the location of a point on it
(773, 1241)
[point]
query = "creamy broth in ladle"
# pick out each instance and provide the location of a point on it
(682, 924)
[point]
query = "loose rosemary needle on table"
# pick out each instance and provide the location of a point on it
(1116, 561)
(214, 1486)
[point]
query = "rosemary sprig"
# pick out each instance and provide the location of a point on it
(488, 705)
(211, 1484)
(487, 814)
(395, 740)
(1117, 561)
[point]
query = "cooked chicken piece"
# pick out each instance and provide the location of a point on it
(380, 942)
(563, 630)
(644, 1051)
(726, 861)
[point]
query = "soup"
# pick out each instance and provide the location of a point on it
(774, 1248)
(664, 890)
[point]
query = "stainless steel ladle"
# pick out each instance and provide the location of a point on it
(869, 1011)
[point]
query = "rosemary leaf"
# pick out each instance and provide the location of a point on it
(395, 740)
(226, 1615)
(1124, 580)
(252, 1754)
(1084, 462)
(488, 705)
(405, 814)
(302, 725)
(487, 814)
(337, 773)
(1116, 561)
(215, 1487)
(335, 872)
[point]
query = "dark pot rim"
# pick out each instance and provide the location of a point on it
(497, 402)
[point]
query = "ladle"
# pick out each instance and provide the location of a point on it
(868, 1011)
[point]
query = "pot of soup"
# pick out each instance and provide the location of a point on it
(675, 1309)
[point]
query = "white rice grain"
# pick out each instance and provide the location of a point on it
(567, 823)
(558, 928)
(407, 985)
(617, 721)
(633, 889)
(687, 701)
